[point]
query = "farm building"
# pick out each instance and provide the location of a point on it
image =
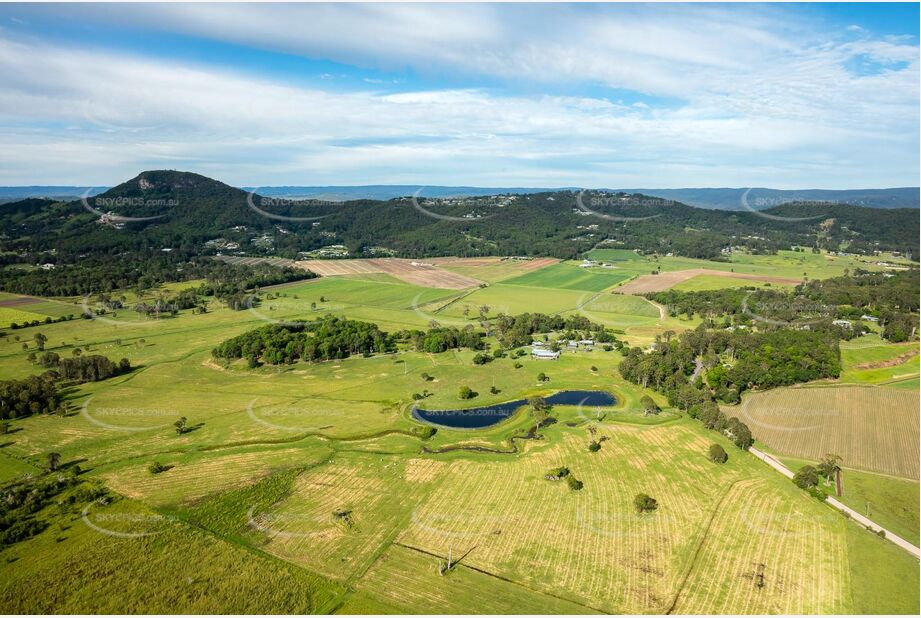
(544, 354)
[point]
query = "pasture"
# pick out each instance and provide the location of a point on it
(569, 276)
(303, 488)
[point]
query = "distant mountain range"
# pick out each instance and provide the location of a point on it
(758, 198)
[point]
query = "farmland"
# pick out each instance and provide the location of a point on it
(301, 488)
(871, 428)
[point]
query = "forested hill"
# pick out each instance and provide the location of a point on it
(183, 211)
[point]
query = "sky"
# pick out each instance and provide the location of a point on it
(541, 95)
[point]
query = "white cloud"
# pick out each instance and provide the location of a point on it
(755, 101)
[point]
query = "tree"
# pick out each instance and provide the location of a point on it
(644, 503)
(156, 468)
(829, 466)
(40, 341)
(574, 483)
(806, 477)
(466, 392)
(426, 377)
(4, 427)
(649, 405)
(181, 426)
(718, 454)
(53, 461)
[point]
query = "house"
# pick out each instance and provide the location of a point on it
(869, 318)
(842, 323)
(544, 354)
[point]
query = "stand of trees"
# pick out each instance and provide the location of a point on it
(515, 331)
(892, 298)
(325, 339)
(32, 395)
(83, 368)
(440, 339)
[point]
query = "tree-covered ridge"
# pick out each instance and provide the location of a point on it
(327, 338)
(191, 210)
(102, 273)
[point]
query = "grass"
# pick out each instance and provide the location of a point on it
(251, 493)
(568, 276)
(893, 502)
(883, 578)
(871, 428)
(702, 283)
(790, 264)
(872, 360)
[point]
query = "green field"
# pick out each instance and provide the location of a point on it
(248, 517)
(792, 264)
(569, 276)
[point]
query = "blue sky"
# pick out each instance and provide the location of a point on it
(623, 95)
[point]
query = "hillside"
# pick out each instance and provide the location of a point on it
(184, 211)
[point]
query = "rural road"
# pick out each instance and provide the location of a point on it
(890, 536)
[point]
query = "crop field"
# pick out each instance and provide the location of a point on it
(669, 279)
(871, 428)
(700, 283)
(568, 276)
(410, 271)
(303, 489)
(492, 270)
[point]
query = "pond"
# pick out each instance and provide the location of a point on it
(487, 416)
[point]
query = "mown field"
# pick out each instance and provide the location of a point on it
(301, 489)
(871, 428)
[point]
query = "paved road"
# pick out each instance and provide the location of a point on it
(890, 536)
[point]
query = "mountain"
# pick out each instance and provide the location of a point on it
(192, 214)
(758, 198)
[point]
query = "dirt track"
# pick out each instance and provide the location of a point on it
(663, 281)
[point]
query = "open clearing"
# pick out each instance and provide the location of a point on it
(666, 280)
(568, 276)
(420, 273)
(871, 428)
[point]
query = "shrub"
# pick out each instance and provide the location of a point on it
(482, 359)
(424, 431)
(644, 503)
(557, 474)
(594, 447)
(466, 392)
(718, 454)
(156, 468)
(574, 483)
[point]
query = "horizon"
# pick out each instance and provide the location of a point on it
(786, 97)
